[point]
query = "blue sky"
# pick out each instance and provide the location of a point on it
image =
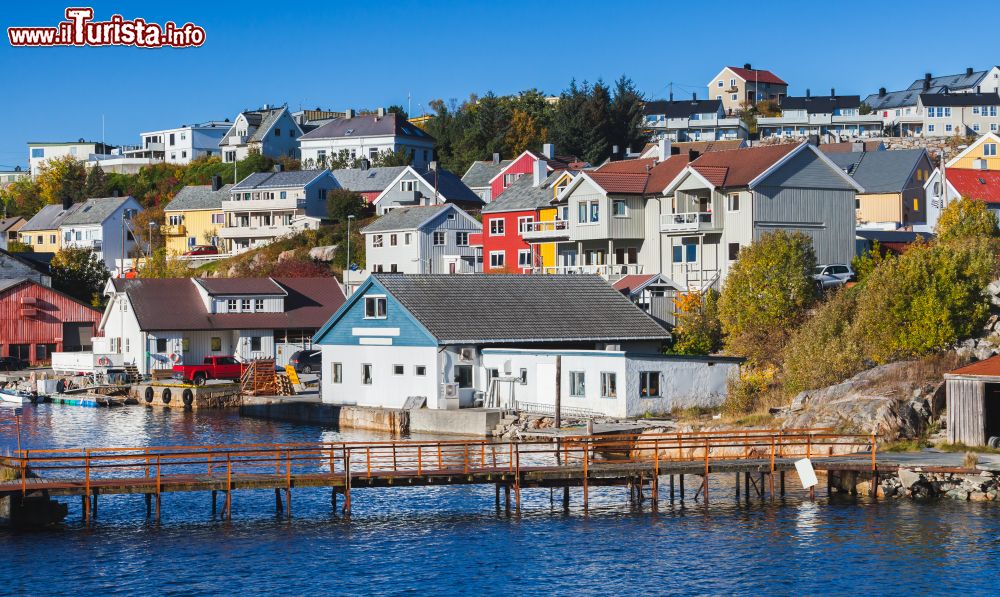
(360, 54)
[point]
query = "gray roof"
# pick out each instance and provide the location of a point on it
(450, 186)
(259, 122)
(521, 309)
(521, 194)
(96, 210)
(368, 125)
(481, 173)
(405, 218)
(964, 80)
(880, 171)
(8, 223)
(372, 180)
(893, 99)
(199, 197)
(6, 283)
(49, 217)
(960, 99)
(273, 180)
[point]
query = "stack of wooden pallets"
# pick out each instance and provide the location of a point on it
(260, 378)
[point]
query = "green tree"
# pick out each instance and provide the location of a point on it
(824, 350)
(97, 182)
(79, 273)
(966, 218)
(22, 198)
(387, 159)
(697, 329)
(341, 203)
(766, 295)
(626, 115)
(16, 246)
(161, 265)
(397, 109)
(61, 179)
(864, 109)
(866, 263)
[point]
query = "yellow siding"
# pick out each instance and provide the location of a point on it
(196, 224)
(968, 161)
(47, 236)
(547, 251)
(885, 207)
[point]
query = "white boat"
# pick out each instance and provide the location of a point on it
(15, 396)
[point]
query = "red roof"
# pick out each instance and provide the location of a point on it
(982, 185)
(990, 367)
(665, 172)
(761, 76)
(626, 183)
(638, 176)
(632, 281)
(637, 166)
(737, 167)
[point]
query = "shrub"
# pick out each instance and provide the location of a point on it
(823, 350)
(697, 330)
(966, 218)
(747, 392)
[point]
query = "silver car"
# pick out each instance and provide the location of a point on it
(833, 276)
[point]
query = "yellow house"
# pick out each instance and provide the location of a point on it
(983, 154)
(42, 230)
(547, 251)
(194, 217)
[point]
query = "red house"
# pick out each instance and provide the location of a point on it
(525, 164)
(36, 321)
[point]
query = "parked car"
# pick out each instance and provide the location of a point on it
(203, 250)
(307, 361)
(12, 364)
(211, 368)
(834, 275)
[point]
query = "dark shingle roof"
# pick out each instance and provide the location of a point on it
(234, 286)
(817, 104)
(271, 180)
(893, 99)
(964, 80)
(450, 187)
(522, 194)
(404, 218)
(95, 211)
(481, 173)
(372, 180)
(960, 99)
(49, 217)
(681, 109)
(199, 197)
(520, 308)
(880, 171)
(367, 125)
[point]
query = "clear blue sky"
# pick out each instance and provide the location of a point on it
(366, 54)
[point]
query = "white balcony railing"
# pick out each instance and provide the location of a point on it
(238, 140)
(545, 230)
(694, 221)
(610, 272)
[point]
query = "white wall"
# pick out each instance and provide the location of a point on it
(387, 389)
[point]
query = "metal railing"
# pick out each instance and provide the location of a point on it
(607, 271)
(545, 229)
(687, 221)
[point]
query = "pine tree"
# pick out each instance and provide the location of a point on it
(97, 182)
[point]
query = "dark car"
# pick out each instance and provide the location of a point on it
(307, 361)
(12, 364)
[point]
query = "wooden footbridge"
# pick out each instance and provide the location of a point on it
(639, 462)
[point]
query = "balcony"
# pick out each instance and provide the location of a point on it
(545, 231)
(612, 273)
(694, 221)
(238, 140)
(263, 205)
(255, 231)
(154, 147)
(173, 230)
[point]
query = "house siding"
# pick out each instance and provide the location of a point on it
(825, 216)
(45, 327)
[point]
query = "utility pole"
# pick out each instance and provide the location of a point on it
(558, 406)
(347, 266)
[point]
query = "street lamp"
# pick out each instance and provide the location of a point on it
(152, 226)
(347, 267)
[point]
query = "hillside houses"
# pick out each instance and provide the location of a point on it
(432, 239)
(271, 132)
(367, 136)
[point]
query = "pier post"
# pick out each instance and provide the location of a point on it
(213, 502)
(782, 477)
(655, 490)
(760, 490)
(277, 500)
(85, 506)
(506, 498)
(746, 485)
(737, 486)
(149, 504)
(671, 490)
(566, 498)
(288, 502)
(682, 487)
(347, 482)
(497, 497)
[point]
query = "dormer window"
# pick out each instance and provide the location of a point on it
(258, 304)
(231, 305)
(375, 307)
(408, 185)
(245, 305)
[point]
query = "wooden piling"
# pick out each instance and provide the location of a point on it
(737, 487)
(213, 503)
(277, 500)
(565, 498)
(506, 498)
(782, 473)
(681, 487)
(671, 490)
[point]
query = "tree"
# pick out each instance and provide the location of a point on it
(16, 246)
(79, 273)
(523, 133)
(569, 122)
(22, 197)
(61, 179)
(866, 263)
(597, 113)
(697, 329)
(341, 203)
(161, 265)
(766, 295)
(966, 218)
(864, 109)
(97, 182)
(388, 158)
(626, 115)
(397, 109)
(824, 350)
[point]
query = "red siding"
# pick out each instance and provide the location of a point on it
(370, 197)
(45, 326)
(510, 243)
(523, 165)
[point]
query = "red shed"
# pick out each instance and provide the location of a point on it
(36, 321)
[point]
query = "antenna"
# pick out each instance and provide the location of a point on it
(409, 102)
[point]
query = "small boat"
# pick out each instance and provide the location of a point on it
(8, 395)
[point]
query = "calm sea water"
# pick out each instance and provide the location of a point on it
(437, 541)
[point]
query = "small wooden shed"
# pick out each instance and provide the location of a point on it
(973, 402)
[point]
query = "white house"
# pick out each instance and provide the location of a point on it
(155, 323)
(422, 240)
(102, 225)
(367, 136)
(692, 120)
(272, 132)
(40, 152)
(268, 205)
(414, 186)
(182, 144)
(446, 341)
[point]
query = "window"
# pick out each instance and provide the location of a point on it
(245, 305)
(161, 345)
(255, 344)
(690, 252)
(678, 254)
(989, 149)
(463, 376)
(376, 240)
(626, 255)
(735, 97)
(366, 374)
(577, 384)
(38, 152)
(392, 240)
(375, 307)
(732, 82)
(185, 344)
(496, 227)
(216, 344)
(508, 179)
(439, 238)
(258, 304)
(398, 369)
(462, 239)
(524, 258)
(720, 84)
(52, 239)
(420, 370)
(407, 185)
(392, 268)
(407, 238)
(930, 128)
(649, 384)
(733, 202)
(588, 212)
(734, 251)
(609, 385)
(947, 128)
(496, 259)
(127, 349)
(619, 208)
(916, 204)
(218, 218)
(372, 153)
(175, 220)
(231, 305)
(523, 376)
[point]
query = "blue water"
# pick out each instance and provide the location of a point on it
(438, 541)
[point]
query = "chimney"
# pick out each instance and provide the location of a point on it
(813, 140)
(349, 113)
(979, 89)
(881, 91)
(968, 71)
(694, 96)
(432, 166)
(548, 151)
(857, 146)
(496, 158)
(671, 96)
(808, 94)
(216, 182)
(380, 112)
(614, 151)
(833, 92)
(747, 66)
(540, 172)
(67, 202)
(278, 168)
(665, 149)
(364, 164)
(927, 81)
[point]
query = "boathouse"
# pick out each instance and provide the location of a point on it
(36, 321)
(507, 341)
(973, 403)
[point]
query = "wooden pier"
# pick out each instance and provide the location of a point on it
(639, 462)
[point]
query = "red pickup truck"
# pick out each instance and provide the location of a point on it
(211, 368)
